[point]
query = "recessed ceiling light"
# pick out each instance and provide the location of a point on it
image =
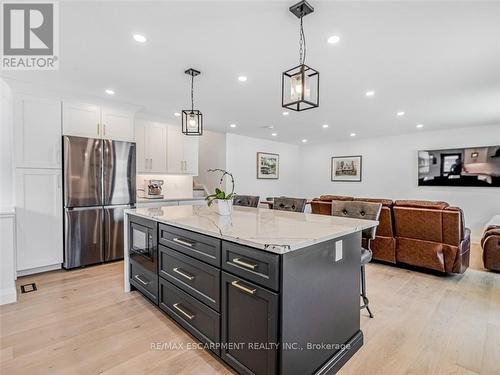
(370, 93)
(140, 38)
(177, 114)
(242, 78)
(285, 113)
(232, 125)
(110, 91)
(304, 141)
(333, 39)
(420, 126)
(324, 126)
(267, 127)
(400, 113)
(352, 134)
(274, 134)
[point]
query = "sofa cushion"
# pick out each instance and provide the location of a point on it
(385, 202)
(329, 198)
(437, 205)
(427, 254)
(418, 223)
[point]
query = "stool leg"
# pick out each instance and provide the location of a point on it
(363, 292)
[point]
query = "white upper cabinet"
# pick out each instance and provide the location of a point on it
(83, 120)
(151, 140)
(117, 125)
(37, 132)
(157, 147)
(182, 156)
(87, 120)
(190, 152)
(175, 148)
(38, 218)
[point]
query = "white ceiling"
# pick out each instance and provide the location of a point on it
(437, 61)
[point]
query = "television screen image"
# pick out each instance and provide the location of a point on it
(473, 166)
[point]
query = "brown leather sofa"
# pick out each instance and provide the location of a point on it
(491, 248)
(424, 234)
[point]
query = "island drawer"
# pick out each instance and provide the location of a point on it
(199, 279)
(200, 320)
(258, 266)
(144, 280)
(198, 246)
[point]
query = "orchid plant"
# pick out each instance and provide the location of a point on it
(220, 193)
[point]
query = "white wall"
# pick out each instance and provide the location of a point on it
(212, 155)
(390, 170)
(241, 160)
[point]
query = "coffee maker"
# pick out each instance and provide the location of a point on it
(153, 189)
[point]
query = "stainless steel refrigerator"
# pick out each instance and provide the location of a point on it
(99, 184)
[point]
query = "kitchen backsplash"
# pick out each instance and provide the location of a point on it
(173, 186)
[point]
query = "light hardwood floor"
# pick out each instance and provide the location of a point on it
(81, 322)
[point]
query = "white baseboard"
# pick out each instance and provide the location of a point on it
(8, 295)
(32, 271)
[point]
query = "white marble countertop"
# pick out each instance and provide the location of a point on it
(167, 199)
(275, 231)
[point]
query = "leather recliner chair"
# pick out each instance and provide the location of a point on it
(431, 235)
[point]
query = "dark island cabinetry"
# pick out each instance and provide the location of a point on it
(261, 312)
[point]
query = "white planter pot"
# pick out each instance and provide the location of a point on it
(224, 207)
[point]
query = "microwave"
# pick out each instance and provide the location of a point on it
(143, 243)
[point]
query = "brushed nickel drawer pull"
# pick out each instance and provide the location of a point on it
(182, 242)
(243, 263)
(187, 315)
(141, 280)
(183, 273)
(243, 288)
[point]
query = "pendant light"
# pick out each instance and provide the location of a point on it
(192, 119)
(300, 85)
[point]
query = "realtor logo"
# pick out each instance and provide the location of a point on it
(30, 38)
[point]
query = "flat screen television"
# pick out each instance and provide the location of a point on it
(472, 166)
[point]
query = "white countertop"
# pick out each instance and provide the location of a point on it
(271, 230)
(168, 199)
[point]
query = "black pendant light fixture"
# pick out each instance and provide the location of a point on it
(300, 85)
(192, 119)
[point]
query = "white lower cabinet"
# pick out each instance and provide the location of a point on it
(39, 224)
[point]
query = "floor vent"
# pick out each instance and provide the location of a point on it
(27, 288)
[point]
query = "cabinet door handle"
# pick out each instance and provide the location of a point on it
(182, 242)
(245, 263)
(104, 129)
(243, 288)
(186, 314)
(183, 273)
(138, 278)
(150, 164)
(98, 133)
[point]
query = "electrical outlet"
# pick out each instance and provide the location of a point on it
(338, 251)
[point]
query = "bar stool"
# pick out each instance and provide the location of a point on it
(246, 200)
(289, 204)
(361, 210)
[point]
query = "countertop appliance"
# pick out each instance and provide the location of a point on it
(99, 184)
(153, 188)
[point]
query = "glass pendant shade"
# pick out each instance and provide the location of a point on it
(192, 122)
(300, 88)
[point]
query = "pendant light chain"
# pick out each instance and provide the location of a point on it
(302, 44)
(192, 92)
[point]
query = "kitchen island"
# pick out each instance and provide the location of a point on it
(269, 292)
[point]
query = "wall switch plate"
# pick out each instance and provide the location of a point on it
(338, 251)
